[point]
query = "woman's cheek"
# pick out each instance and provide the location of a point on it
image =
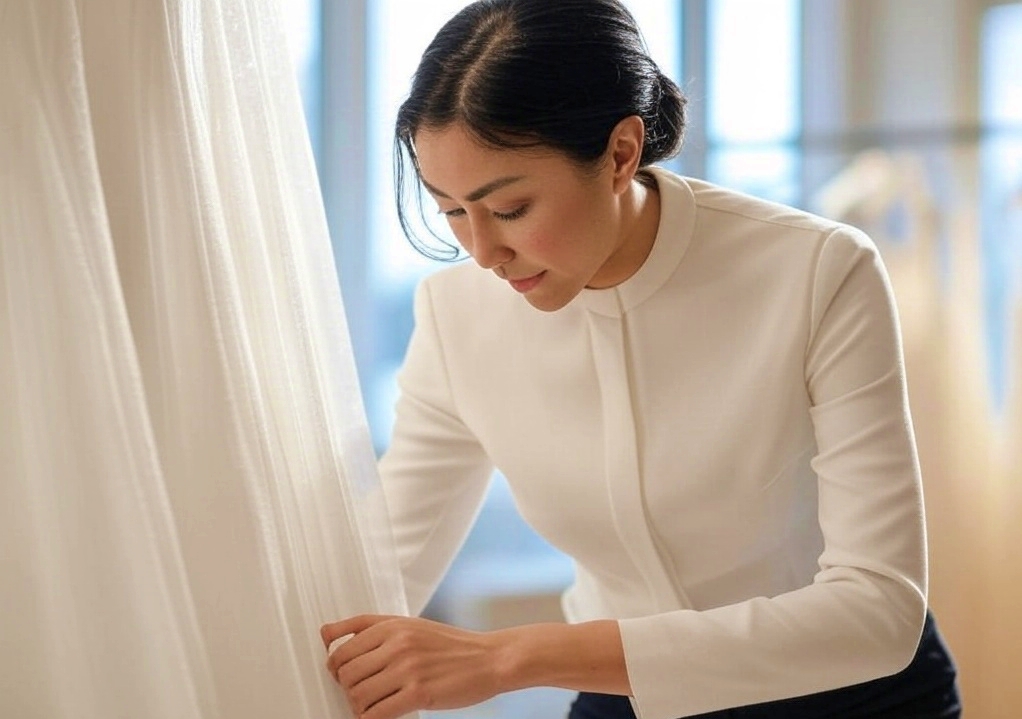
(546, 240)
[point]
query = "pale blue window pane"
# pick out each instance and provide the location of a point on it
(770, 173)
(399, 32)
(1001, 183)
(753, 71)
(660, 23)
(1002, 66)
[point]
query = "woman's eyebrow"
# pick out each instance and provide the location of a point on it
(482, 192)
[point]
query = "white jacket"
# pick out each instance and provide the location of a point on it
(722, 443)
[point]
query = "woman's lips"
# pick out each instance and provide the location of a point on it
(524, 285)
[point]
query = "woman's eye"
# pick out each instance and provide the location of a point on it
(513, 215)
(503, 216)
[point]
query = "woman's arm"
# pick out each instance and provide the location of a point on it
(862, 615)
(434, 473)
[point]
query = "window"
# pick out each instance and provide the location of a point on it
(1001, 184)
(752, 91)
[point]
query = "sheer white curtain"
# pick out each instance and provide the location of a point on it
(187, 487)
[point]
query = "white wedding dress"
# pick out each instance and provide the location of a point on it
(187, 486)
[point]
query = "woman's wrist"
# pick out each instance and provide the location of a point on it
(582, 657)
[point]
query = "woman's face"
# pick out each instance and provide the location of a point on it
(536, 219)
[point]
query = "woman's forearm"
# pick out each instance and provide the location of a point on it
(582, 657)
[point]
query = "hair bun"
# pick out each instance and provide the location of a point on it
(665, 122)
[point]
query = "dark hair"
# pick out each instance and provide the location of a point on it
(557, 74)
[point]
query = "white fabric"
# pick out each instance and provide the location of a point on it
(187, 487)
(722, 443)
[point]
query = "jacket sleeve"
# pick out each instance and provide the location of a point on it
(434, 472)
(862, 616)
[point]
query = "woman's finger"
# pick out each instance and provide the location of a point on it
(361, 644)
(353, 625)
(396, 705)
(357, 669)
(372, 690)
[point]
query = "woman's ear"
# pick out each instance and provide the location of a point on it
(624, 150)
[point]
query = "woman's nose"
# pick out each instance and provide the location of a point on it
(487, 247)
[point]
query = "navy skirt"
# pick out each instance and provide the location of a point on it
(926, 689)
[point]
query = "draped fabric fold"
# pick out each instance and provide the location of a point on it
(187, 485)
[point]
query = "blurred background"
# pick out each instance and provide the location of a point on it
(903, 117)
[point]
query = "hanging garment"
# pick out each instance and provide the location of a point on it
(187, 485)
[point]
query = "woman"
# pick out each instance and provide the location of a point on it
(696, 394)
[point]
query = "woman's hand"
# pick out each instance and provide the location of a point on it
(392, 666)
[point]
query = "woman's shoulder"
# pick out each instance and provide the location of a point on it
(724, 214)
(717, 203)
(737, 238)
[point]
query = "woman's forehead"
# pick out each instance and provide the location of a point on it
(454, 166)
(453, 163)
